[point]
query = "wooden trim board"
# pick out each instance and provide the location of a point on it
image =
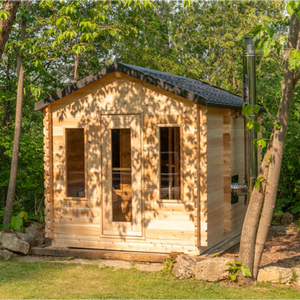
(101, 254)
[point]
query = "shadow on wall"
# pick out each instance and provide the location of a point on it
(83, 109)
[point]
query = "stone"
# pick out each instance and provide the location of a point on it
(184, 266)
(275, 275)
(286, 219)
(31, 236)
(297, 273)
(36, 225)
(6, 255)
(212, 269)
(12, 242)
(292, 229)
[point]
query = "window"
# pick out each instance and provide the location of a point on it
(170, 163)
(75, 163)
(121, 175)
(234, 186)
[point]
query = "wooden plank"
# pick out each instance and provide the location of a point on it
(99, 254)
(77, 229)
(184, 216)
(128, 246)
(167, 225)
(74, 220)
(187, 236)
(203, 175)
(77, 212)
(165, 206)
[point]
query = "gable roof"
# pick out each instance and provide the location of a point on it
(194, 90)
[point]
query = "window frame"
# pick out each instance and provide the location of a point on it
(159, 200)
(66, 197)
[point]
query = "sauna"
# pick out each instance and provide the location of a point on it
(141, 160)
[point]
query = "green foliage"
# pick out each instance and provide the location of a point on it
(193, 39)
(258, 182)
(169, 264)
(69, 258)
(109, 283)
(235, 267)
(16, 222)
(248, 111)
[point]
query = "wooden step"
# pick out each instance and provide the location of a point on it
(95, 253)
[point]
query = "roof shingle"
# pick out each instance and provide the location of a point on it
(194, 90)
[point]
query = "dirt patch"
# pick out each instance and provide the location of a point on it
(280, 250)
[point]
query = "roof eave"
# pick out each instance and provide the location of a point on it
(40, 105)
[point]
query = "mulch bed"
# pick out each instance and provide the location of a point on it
(280, 250)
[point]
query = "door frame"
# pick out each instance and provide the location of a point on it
(136, 231)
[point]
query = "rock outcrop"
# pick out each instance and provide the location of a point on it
(275, 275)
(11, 241)
(184, 266)
(212, 269)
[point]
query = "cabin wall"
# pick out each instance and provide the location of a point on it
(238, 209)
(223, 159)
(215, 184)
(48, 171)
(168, 225)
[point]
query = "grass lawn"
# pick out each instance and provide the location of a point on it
(54, 280)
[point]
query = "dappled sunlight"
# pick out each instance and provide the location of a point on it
(146, 219)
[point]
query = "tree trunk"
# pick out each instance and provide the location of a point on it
(248, 237)
(76, 62)
(6, 25)
(17, 135)
(282, 118)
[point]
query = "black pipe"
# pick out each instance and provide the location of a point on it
(250, 98)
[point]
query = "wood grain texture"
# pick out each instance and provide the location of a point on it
(203, 225)
(48, 168)
(181, 225)
(226, 169)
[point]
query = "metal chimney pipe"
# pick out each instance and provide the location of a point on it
(249, 79)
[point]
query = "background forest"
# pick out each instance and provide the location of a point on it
(66, 41)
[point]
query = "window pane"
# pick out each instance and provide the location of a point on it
(121, 175)
(75, 162)
(170, 163)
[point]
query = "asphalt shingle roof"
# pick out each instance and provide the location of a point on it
(194, 90)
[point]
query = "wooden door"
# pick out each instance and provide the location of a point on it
(121, 175)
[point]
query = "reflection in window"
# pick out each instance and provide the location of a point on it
(170, 163)
(75, 162)
(121, 175)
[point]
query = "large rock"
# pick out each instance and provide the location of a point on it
(36, 225)
(11, 241)
(184, 266)
(275, 275)
(6, 255)
(286, 219)
(297, 272)
(31, 236)
(212, 269)
(292, 228)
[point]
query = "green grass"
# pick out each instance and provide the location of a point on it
(54, 280)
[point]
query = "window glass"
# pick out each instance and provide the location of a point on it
(75, 162)
(121, 175)
(170, 163)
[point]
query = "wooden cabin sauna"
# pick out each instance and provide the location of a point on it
(141, 160)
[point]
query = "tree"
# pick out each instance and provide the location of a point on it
(76, 20)
(254, 234)
(18, 121)
(7, 17)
